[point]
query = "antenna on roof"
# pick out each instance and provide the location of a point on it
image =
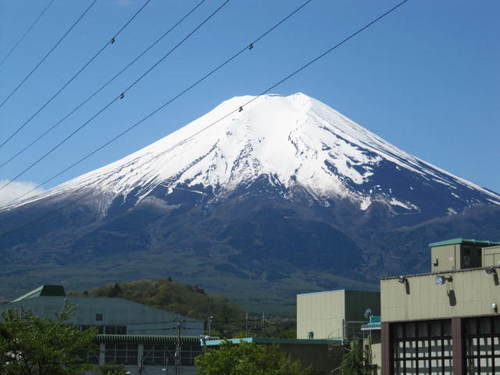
(368, 313)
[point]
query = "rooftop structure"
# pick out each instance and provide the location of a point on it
(374, 324)
(335, 314)
(45, 291)
(457, 254)
(272, 340)
(491, 256)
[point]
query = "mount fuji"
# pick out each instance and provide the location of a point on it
(258, 199)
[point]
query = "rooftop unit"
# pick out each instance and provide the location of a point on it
(491, 256)
(458, 254)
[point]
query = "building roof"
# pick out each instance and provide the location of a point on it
(457, 241)
(147, 339)
(373, 324)
(342, 290)
(44, 290)
(478, 269)
(272, 340)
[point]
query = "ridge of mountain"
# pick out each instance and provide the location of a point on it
(285, 196)
(296, 141)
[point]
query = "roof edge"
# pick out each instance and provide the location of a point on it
(459, 240)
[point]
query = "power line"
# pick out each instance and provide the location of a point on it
(78, 72)
(59, 41)
(102, 87)
(281, 81)
(227, 61)
(249, 46)
(11, 51)
(119, 97)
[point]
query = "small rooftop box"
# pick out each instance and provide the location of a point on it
(458, 254)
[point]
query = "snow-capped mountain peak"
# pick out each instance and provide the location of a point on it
(295, 141)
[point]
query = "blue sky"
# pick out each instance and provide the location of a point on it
(426, 78)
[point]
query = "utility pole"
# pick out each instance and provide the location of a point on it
(178, 349)
(210, 325)
(246, 324)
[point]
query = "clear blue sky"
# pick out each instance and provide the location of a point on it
(426, 79)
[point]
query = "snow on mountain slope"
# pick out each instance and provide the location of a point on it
(294, 140)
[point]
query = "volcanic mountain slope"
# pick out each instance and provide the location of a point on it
(286, 194)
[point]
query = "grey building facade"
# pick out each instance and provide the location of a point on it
(142, 338)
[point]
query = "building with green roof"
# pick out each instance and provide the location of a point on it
(140, 337)
(458, 253)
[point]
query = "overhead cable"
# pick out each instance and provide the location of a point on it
(102, 87)
(281, 81)
(74, 76)
(196, 83)
(119, 97)
(25, 34)
(59, 41)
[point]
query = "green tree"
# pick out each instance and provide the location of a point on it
(188, 300)
(356, 361)
(30, 345)
(111, 369)
(248, 359)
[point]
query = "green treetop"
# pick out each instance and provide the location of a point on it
(34, 346)
(247, 359)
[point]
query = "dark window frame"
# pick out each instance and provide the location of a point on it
(411, 335)
(473, 351)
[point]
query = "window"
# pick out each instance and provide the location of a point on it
(115, 330)
(160, 355)
(123, 354)
(107, 330)
(164, 355)
(482, 345)
(98, 317)
(422, 348)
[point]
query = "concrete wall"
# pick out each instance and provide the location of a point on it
(491, 256)
(471, 293)
(322, 313)
(333, 314)
(373, 343)
(377, 356)
(445, 258)
(455, 257)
